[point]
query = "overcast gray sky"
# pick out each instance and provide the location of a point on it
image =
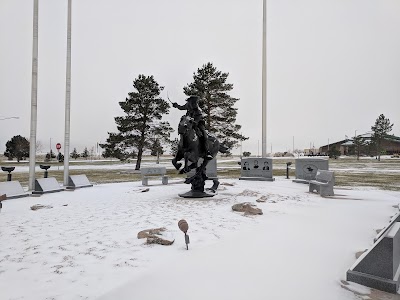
(333, 65)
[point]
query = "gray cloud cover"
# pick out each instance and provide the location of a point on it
(333, 65)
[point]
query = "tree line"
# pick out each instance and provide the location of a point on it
(18, 147)
(141, 127)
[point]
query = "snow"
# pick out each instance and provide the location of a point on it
(300, 248)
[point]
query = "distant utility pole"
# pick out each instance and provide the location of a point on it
(50, 149)
(293, 144)
(32, 139)
(67, 98)
(264, 81)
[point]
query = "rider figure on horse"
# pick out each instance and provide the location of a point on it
(194, 111)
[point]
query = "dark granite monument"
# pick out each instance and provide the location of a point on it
(379, 267)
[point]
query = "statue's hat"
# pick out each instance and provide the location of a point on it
(193, 98)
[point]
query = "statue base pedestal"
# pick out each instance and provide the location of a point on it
(198, 194)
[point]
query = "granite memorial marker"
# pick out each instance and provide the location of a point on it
(258, 168)
(306, 168)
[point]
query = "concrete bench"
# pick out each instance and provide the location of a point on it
(147, 172)
(323, 183)
(379, 267)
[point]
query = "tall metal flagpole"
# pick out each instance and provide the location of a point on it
(264, 81)
(32, 139)
(67, 99)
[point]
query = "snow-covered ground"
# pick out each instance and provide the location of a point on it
(86, 246)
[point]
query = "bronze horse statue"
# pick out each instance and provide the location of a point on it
(189, 149)
(189, 146)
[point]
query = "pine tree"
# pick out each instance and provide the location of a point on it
(218, 106)
(60, 157)
(74, 154)
(115, 147)
(333, 152)
(85, 153)
(17, 147)
(49, 156)
(174, 144)
(142, 121)
(359, 144)
(380, 130)
(156, 148)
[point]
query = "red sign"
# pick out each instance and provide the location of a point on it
(58, 146)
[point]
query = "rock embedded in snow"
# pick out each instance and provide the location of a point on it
(263, 199)
(249, 193)
(158, 240)
(40, 206)
(150, 232)
(154, 236)
(247, 208)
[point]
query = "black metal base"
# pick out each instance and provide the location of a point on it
(198, 194)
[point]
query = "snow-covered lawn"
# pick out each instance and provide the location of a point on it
(300, 248)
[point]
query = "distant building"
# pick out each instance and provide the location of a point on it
(309, 152)
(390, 145)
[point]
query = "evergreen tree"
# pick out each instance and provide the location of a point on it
(156, 148)
(74, 154)
(370, 148)
(359, 144)
(60, 157)
(142, 121)
(85, 153)
(220, 114)
(115, 147)
(49, 156)
(174, 146)
(17, 147)
(246, 154)
(333, 152)
(380, 130)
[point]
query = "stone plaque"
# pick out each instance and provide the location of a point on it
(256, 169)
(306, 168)
(46, 185)
(12, 189)
(78, 181)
